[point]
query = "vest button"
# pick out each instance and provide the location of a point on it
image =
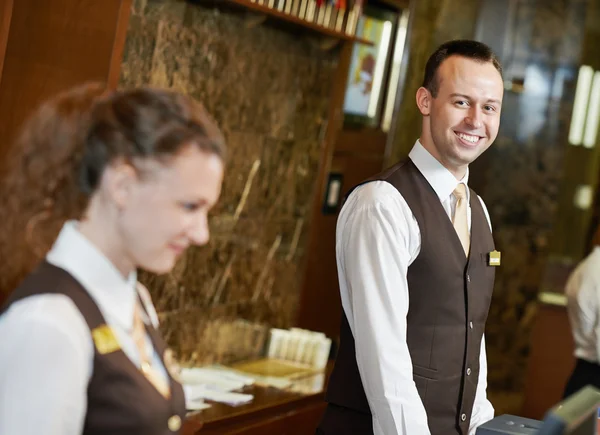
(468, 371)
(174, 423)
(146, 367)
(468, 278)
(463, 417)
(471, 325)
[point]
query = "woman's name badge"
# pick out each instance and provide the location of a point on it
(105, 340)
(494, 258)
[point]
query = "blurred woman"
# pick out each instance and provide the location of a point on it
(80, 350)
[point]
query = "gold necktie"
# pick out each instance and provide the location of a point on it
(460, 217)
(150, 372)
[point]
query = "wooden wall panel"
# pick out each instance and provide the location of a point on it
(54, 45)
(6, 7)
(321, 309)
(551, 360)
(302, 420)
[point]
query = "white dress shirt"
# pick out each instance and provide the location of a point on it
(46, 349)
(583, 296)
(377, 239)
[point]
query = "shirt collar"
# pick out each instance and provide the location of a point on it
(440, 178)
(114, 295)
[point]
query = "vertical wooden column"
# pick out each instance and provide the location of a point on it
(352, 153)
(6, 7)
(46, 47)
(551, 360)
(320, 307)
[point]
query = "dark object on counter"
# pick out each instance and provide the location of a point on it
(510, 425)
(576, 415)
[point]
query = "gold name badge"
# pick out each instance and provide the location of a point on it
(105, 340)
(494, 258)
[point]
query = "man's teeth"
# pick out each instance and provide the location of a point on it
(468, 137)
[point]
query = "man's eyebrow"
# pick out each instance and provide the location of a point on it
(490, 100)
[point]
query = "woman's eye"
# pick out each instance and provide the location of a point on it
(189, 206)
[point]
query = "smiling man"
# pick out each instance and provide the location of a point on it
(413, 256)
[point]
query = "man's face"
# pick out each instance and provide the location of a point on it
(462, 121)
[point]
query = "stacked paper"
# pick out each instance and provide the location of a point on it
(259, 378)
(300, 346)
(212, 384)
(197, 392)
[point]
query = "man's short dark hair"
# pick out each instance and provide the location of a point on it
(474, 50)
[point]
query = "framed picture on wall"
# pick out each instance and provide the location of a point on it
(368, 67)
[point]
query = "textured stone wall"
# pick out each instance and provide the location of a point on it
(269, 91)
(519, 177)
(433, 23)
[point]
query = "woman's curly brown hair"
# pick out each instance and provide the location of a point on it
(60, 156)
(39, 181)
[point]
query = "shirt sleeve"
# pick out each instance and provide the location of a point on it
(583, 295)
(485, 211)
(45, 366)
(375, 245)
(594, 301)
(482, 408)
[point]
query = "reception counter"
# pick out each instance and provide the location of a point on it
(281, 412)
(551, 357)
(273, 411)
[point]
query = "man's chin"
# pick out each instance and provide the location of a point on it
(467, 155)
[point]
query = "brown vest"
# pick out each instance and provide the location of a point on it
(449, 301)
(121, 401)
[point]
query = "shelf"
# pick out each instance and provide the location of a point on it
(286, 17)
(396, 4)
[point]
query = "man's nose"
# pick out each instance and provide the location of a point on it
(474, 118)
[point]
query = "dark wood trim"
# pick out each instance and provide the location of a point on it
(282, 16)
(298, 420)
(270, 410)
(551, 360)
(335, 124)
(261, 410)
(6, 7)
(114, 71)
(334, 127)
(53, 46)
(399, 4)
(364, 141)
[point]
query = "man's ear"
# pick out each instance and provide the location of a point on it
(118, 180)
(424, 101)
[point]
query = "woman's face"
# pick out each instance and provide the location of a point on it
(166, 208)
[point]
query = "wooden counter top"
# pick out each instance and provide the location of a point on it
(272, 411)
